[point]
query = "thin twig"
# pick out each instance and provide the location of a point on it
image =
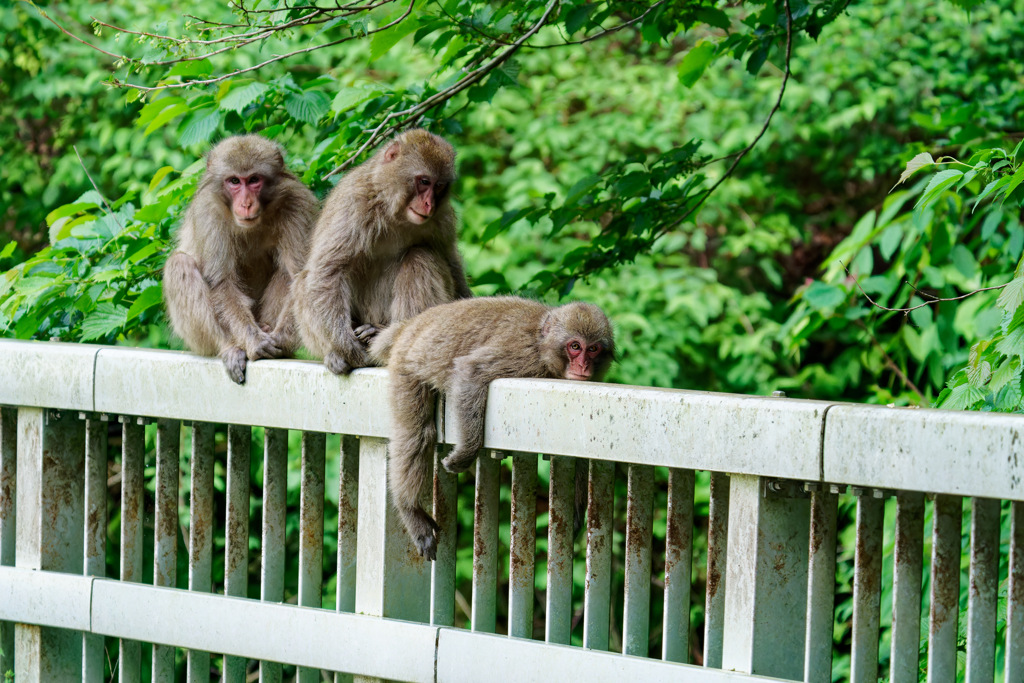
(91, 181)
(935, 300)
(383, 129)
(891, 364)
(742, 153)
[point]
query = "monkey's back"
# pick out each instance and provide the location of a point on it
(504, 329)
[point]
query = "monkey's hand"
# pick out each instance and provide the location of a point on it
(424, 531)
(262, 345)
(234, 362)
(366, 333)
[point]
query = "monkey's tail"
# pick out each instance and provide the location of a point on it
(380, 346)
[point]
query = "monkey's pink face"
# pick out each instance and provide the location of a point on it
(245, 198)
(424, 202)
(581, 358)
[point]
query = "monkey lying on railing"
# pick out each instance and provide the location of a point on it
(459, 348)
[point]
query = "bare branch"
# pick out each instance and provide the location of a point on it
(933, 300)
(91, 181)
(891, 364)
(384, 129)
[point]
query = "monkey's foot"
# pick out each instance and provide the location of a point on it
(365, 333)
(234, 361)
(336, 364)
(459, 461)
(424, 530)
(263, 345)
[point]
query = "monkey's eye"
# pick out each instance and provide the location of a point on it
(440, 188)
(233, 180)
(575, 346)
(253, 180)
(594, 348)
(424, 182)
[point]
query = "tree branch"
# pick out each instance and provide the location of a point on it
(934, 299)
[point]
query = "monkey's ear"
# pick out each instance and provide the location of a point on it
(546, 323)
(391, 153)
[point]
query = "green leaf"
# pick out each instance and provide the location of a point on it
(978, 375)
(1012, 344)
(713, 16)
(149, 297)
(382, 42)
(964, 261)
(577, 191)
(165, 116)
(890, 240)
(1012, 295)
(824, 297)
(107, 318)
(1015, 180)
(350, 97)
(8, 249)
(68, 210)
(962, 398)
(936, 186)
(695, 62)
(200, 128)
(308, 106)
(199, 67)
(239, 98)
(577, 18)
(917, 163)
(158, 176)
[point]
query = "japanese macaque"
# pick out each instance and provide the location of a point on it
(228, 283)
(459, 348)
(383, 250)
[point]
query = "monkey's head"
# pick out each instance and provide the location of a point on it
(245, 170)
(416, 171)
(576, 341)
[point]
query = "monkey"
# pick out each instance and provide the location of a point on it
(383, 250)
(228, 282)
(458, 349)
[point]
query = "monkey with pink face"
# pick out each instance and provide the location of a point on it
(228, 283)
(459, 348)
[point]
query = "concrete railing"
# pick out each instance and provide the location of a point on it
(778, 468)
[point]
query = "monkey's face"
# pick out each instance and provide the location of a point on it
(243, 193)
(583, 358)
(428, 192)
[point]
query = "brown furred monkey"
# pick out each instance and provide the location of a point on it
(383, 250)
(459, 348)
(228, 283)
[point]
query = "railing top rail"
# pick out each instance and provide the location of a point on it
(978, 454)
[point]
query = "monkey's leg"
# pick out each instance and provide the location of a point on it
(191, 308)
(275, 311)
(469, 394)
(413, 438)
(424, 279)
(323, 306)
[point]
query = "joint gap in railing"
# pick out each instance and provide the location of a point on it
(821, 442)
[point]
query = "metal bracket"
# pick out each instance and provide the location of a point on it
(782, 488)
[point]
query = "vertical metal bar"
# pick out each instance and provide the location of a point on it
(311, 531)
(867, 594)
(523, 545)
(133, 451)
(392, 580)
(766, 604)
(908, 558)
(348, 515)
(236, 532)
(442, 573)
(1014, 667)
(984, 584)
(275, 503)
(165, 529)
(597, 593)
(348, 519)
(8, 517)
(639, 518)
(50, 504)
(821, 587)
(95, 535)
(200, 533)
(485, 544)
(561, 490)
(947, 516)
(718, 537)
(675, 634)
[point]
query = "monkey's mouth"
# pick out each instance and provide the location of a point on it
(247, 220)
(577, 376)
(415, 216)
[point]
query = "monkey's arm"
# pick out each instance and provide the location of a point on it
(234, 309)
(458, 274)
(326, 316)
(471, 377)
